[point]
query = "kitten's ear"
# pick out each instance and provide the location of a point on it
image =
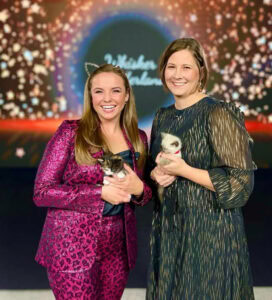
(100, 160)
(163, 134)
(108, 153)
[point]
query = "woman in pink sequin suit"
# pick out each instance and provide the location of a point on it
(89, 243)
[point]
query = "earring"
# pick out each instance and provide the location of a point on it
(200, 86)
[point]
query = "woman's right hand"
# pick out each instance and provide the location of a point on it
(162, 178)
(114, 195)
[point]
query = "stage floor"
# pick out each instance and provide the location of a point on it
(261, 293)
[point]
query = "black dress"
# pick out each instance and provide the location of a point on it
(198, 243)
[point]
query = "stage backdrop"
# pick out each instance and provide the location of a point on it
(46, 45)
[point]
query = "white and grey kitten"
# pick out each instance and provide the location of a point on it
(112, 164)
(170, 144)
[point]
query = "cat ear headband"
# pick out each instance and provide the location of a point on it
(87, 65)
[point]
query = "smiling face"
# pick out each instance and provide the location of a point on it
(182, 75)
(109, 95)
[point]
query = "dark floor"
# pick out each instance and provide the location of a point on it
(21, 224)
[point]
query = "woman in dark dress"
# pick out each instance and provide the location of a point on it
(198, 243)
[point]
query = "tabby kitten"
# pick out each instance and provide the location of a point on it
(170, 144)
(112, 164)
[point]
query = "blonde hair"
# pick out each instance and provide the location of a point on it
(89, 137)
(196, 50)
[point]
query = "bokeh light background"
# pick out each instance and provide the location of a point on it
(44, 44)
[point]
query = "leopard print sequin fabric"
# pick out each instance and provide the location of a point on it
(72, 194)
(107, 278)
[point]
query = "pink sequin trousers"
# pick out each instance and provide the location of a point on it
(106, 280)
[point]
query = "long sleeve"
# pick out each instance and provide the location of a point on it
(50, 189)
(232, 166)
(147, 192)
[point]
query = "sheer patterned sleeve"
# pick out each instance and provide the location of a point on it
(49, 189)
(232, 166)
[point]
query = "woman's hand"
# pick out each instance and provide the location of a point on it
(114, 195)
(130, 184)
(161, 178)
(176, 166)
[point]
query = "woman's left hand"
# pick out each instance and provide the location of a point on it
(131, 183)
(176, 167)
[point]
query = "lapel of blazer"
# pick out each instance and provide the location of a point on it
(98, 154)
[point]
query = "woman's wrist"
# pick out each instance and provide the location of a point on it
(185, 170)
(139, 189)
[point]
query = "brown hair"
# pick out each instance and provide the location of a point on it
(198, 53)
(89, 137)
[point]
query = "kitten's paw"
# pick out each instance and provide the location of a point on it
(106, 182)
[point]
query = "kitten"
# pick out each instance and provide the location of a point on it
(112, 164)
(170, 144)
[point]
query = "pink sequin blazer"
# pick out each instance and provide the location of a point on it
(72, 194)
